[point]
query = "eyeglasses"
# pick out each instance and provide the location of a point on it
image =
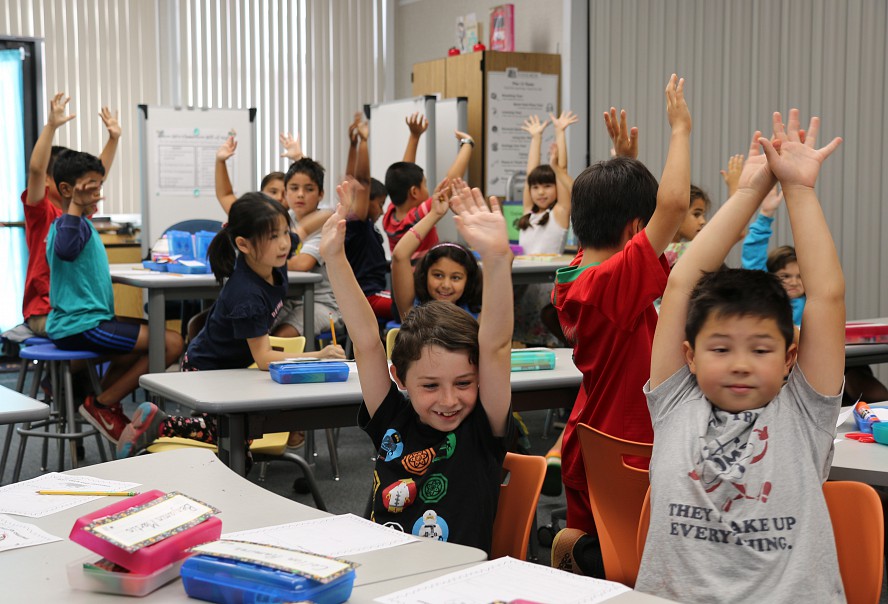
(787, 277)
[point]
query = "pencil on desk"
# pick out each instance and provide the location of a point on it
(91, 493)
(332, 329)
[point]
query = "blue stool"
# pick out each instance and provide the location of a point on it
(58, 362)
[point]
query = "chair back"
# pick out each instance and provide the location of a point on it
(859, 545)
(616, 494)
(289, 345)
(196, 225)
(390, 341)
(517, 504)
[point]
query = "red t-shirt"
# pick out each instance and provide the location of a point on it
(38, 219)
(608, 310)
(395, 228)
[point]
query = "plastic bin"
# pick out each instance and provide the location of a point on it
(306, 372)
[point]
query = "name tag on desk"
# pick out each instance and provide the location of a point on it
(312, 566)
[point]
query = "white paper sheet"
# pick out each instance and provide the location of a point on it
(21, 498)
(15, 534)
(508, 579)
(335, 536)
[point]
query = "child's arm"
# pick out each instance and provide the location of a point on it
(264, 354)
(461, 163)
(797, 165)
(534, 128)
(624, 138)
(485, 231)
(308, 226)
(292, 147)
(559, 165)
(403, 289)
(755, 245)
(43, 149)
(353, 140)
(224, 190)
(710, 248)
(732, 175)
(417, 123)
(362, 174)
(72, 231)
(674, 193)
(112, 124)
(356, 311)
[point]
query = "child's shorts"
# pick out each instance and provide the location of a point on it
(292, 314)
(108, 337)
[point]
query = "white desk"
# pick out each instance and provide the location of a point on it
(37, 574)
(17, 408)
(174, 286)
(249, 404)
(863, 462)
(526, 270)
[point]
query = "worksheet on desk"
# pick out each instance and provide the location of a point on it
(507, 579)
(15, 534)
(334, 536)
(21, 498)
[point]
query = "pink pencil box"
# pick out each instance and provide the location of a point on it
(150, 558)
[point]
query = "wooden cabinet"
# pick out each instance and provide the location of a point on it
(465, 75)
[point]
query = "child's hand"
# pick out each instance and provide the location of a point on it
(364, 129)
(676, 108)
(731, 176)
(417, 123)
(87, 195)
(443, 189)
(564, 120)
(624, 139)
(461, 135)
(771, 202)
(756, 175)
(353, 137)
(227, 149)
(112, 124)
(441, 200)
(332, 352)
(483, 228)
(57, 106)
(333, 231)
(292, 147)
(533, 126)
(792, 156)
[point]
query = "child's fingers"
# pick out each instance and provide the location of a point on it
(769, 150)
(754, 148)
(779, 130)
(810, 137)
(494, 203)
(792, 131)
(830, 147)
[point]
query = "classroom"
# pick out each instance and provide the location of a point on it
(197, 192)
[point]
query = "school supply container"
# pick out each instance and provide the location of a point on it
(864, 417)
(158, 267)
(181, 243)
(308, 371)
(228, 581)
(533, 359)
(188, 267)
(103, 576)
(866, 333)
(880, 432)
(202, 240)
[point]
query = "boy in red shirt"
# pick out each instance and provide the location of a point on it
(43, 205)
(624, 222)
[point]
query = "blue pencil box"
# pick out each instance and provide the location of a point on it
(229, 581)
(193, 267)
(533, 359)
(309, 371)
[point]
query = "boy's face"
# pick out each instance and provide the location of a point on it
(740, 361)
(374, 210)
(694, 220)
(792, 280)
(86, 193)
(275, 190)
(419, 194)
(303, 195)
(443, 387)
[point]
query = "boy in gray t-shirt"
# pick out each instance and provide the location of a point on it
(737, 508)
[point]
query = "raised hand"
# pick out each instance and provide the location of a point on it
(227, 149)
(364, 129)
(442, 191)
(483, 228)
(676, 107)
(112, 123)
(624, 139)
(417, 123)
(756, 175)
(57, 106)
(353, 134)
(87, 195)
(564, 120)
(333, 231)
(792, 157)
(292, 147)
(533, 126)
(771, 202)
(461, 135)
(732, 175)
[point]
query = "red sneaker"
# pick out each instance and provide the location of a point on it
(109, 421)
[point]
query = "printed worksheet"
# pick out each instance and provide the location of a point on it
(507, 579)
(22, 499)
(334, 536)
(15, 534)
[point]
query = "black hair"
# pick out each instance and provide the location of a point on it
(254, 216)
(311, 168)
(698, 193)
(399, 177)
(70, 165)
(471, 296)
(607, 196)
(435, 323)
(541, 175)
(377, 189)
(271, 176)
(54, 152)
(779, 257)
(738, 292)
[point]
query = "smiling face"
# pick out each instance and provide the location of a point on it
(543, 195)
(694, 220)
(740, 361)
(791, 280)
(446, 280)
(303, 195)
(442, 385)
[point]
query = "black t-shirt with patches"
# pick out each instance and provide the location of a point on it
(363, 248)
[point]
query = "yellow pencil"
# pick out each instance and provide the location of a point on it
(91, 493)
(333, 329)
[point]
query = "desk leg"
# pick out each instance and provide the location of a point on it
(156, 329)
(308, 315)
(232, 435)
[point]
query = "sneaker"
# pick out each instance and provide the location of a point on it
(109, 421)
(295, 440)
(142, 431)
(552, 480)
(563, 550)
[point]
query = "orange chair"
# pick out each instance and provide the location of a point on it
(616, 493)
(860, 552)
(517, 504)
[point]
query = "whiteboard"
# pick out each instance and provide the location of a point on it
(177, 156)
(389, 135)
(450, 115)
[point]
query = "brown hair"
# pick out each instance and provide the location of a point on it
(698, 193)
(779, 257)
(434, 323)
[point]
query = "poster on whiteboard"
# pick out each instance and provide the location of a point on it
(186, 161)
(512, 97)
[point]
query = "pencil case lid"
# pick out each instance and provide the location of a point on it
(533, 359)
(308, 371)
